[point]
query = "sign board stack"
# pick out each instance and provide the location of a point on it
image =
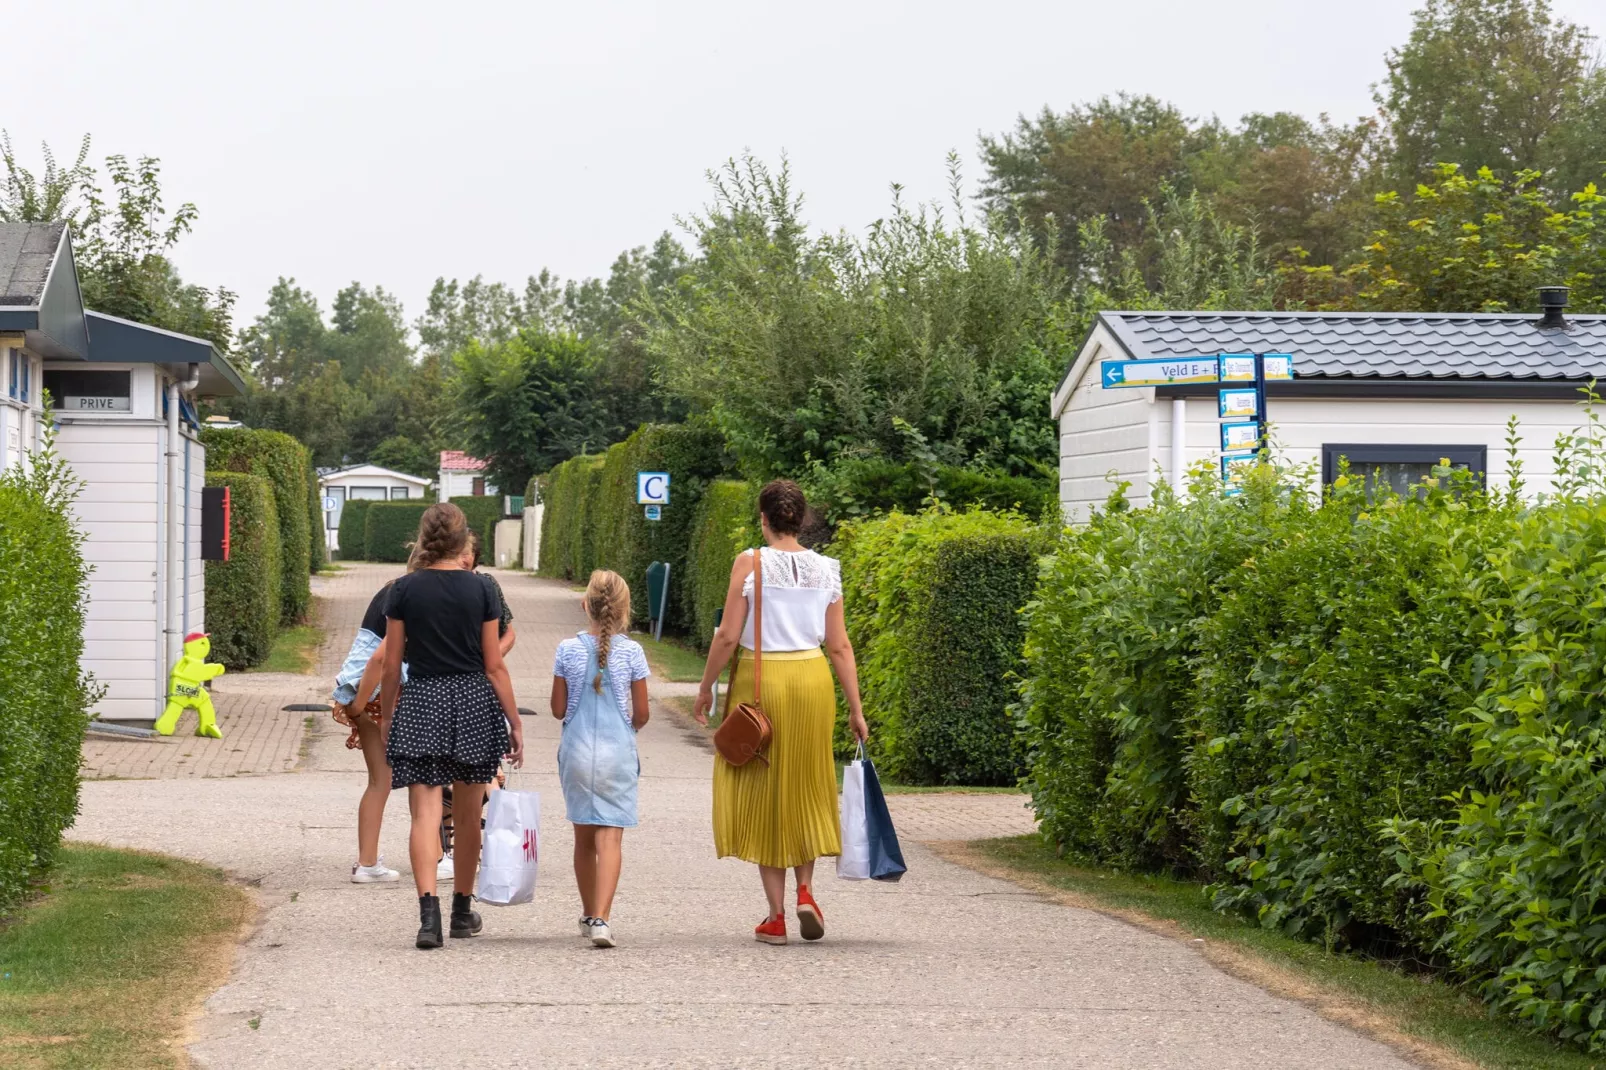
(652, 493)
(1240, 403)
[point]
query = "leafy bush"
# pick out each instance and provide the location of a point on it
(566, 537)
(390, 528)
(283, 462)
(482, 511)
(861, 486)
(242, 594)
(44, 698)
(933, 608)
(317, 540)
(354, 528)
(725, 525)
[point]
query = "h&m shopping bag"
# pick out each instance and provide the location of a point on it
(853, 864)
(511, 853)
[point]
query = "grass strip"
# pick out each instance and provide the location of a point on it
(106, 966)
(294, 650)
(1437, 1023)
(671, 661)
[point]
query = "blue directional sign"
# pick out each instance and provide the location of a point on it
(1119, 373)
(1278, 366)
(1236, 437)
(1234, 467)
(1239, 404)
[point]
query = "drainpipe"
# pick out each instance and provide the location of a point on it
(176, 580)
(1179, 443)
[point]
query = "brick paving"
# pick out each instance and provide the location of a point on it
(931, 816)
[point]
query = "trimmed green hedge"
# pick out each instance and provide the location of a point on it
(284, 462)
(567, 546)
(317, 540)
(44, 698)
(390, 528)
(353, 533)
(243, 604)
(725, 525)
(933, 607)
(482, 511)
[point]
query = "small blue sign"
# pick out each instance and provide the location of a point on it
(655, 512)
(1240, 436)
(1119, 373)
(1233, 468)
(1238, 404)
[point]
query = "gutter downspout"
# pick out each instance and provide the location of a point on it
(1179, 443)
(175, 525)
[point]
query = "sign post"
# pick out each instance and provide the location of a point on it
(652, 492)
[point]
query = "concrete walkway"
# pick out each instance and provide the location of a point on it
(948, 968)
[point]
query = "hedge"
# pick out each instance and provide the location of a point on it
(726, 524)
(317, 540)
(933, 608)
(390, 528)
(44, 698)
(567, 546)
(243, 603)
(282, 461)
(353, 532)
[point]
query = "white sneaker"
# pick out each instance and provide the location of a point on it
(443, 871)
(585, 928)
(374, 874)
(601, 935)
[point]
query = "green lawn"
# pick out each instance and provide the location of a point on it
(670, 660)
(1375, 996)
(103, 969)
(294, 650)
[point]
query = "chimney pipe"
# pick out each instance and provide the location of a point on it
(1552, 299)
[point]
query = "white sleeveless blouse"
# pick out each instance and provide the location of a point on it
(798, 586)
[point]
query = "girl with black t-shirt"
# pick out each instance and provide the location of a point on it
(456, 718)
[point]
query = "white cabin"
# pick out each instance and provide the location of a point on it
(1392, 392)
(462, 476)
(362, 482)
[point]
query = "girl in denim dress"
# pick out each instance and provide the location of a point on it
(599, 692)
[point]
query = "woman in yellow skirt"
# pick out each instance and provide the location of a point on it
(783, 815)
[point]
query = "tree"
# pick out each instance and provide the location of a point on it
(53, 195)
(527, 403)
(1501, 84)
(402, 454)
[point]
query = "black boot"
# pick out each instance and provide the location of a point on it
(465, 920)
(429, 921)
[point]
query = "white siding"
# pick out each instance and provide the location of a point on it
(1105, 437)
(118, 510)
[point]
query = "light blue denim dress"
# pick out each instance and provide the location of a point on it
(598, 765)
(351, 670)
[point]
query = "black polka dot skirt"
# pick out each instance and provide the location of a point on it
(446, 729)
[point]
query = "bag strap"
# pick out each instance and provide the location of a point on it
(758, 628)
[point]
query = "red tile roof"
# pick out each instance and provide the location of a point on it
(458, 461)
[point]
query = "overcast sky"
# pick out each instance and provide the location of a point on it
(395, 142)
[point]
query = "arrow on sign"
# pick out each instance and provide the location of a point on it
(1112, 373)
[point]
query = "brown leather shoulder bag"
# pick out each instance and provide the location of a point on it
(744, 732)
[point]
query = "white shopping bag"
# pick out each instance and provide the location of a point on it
(511, 851)
(853, 864)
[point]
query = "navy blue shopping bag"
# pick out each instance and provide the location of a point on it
(886, 857)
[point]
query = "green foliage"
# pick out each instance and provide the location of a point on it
(282, 461)
(44, 698)
(857, 487)
(567, 522)
(726, 524)
(353, 532)
(390, 528)
(933, 608)
(401, 454)
(317, 541)
(482, 512)
(243, 602)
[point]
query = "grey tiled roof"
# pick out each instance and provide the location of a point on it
(1376, 345)
(26, 253)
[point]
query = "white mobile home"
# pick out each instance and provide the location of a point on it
(1394, 392)
(122, 400)
(362, 482)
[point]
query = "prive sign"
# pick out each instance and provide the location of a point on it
(95, 404)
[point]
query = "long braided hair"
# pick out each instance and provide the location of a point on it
(608, 606)
(442, 533)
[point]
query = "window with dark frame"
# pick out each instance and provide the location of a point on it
(1401, 466)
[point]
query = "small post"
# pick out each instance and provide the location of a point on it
(1260, 403)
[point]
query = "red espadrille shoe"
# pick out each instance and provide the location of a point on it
(810, 922)
(771, 931)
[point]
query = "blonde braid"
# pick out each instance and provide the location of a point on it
(608, 606)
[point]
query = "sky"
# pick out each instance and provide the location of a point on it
(392, 143)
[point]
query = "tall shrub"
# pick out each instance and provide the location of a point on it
(353, 532)
(242, 594)
(317, 539)
(44, 697)
(933, 604)
(726, 524)
(565, 535)
(390, 528)
(283, 462)
(482, 512)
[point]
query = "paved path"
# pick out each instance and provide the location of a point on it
(948, 968)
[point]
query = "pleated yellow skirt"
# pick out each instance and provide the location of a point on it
(785, 813)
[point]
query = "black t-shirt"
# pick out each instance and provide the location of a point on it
(443, 610)
(374, 619)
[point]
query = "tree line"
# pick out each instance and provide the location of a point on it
(934, 335)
